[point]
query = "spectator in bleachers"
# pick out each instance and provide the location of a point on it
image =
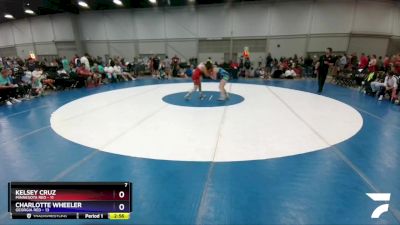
(247, 67)
(31, 64)
(342, 63)
(65, 80)
(268, 64)
(65, 64)
(54, 63)
(175, 65)
(44, 63)
(396, 64)
(379, 64)
(37, 86)
(110, 75)
(8, 90)
(156, 66)
(85, 74)
(295, 59)
(167, 67)
(234, 65)
(76, 60)
(354, 63)
(362, 65)
(150, 65)
(262, 74)
(121, 74)
(85, 61)
(372, 65)
(118, 72)
(17, 78)
(26, 83)
(125, 71)
(298, 70)
(260, 61)
(98, 72)
(27, 78)
(389, 85)
(289, 73)
(300, 61)
(48, 81)
(308, 66)
(386, 63)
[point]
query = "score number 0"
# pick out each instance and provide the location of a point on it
(121, 195)
(121, 206)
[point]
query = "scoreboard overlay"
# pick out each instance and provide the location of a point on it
(70, 200)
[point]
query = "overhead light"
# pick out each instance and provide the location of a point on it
(29, 11)
(191, 1)
(9, 16)
(153, 1)
(118, 2)
(83, 4)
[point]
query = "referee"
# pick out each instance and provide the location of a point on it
(324, 62)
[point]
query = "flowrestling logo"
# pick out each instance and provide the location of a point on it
(379, 197)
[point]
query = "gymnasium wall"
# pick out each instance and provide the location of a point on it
(38, 34)
(283, 27)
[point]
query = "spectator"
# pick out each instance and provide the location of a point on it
(386, 63)
(8, 90)
(118, 72)
(260, 61)
(175, 65)
(156, 66)
(48, 82)
(396, 64)
(263, 74)
(289, 73)
(247, 67)
(234, 65)
(308, 66)
(268, 64)
(126, 72)
(76, 60)
(65, 80)
(372, 77)
(109, 70)
(85, 61)
(295, 59)
(26, 83)
(167, 67)
(354, 63)
(65, 64)
(342, 63)
(98, 71)
(388, 86)
(31, 64)
(298, 71)
(372, 65)
(379, 64)
(85, 74)
(363, 62)
(121, 74)
(37, 86)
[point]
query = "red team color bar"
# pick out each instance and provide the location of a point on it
(70, 200)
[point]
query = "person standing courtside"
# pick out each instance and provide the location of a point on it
(324, 62)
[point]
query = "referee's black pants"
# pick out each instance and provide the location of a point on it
(321, 80)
